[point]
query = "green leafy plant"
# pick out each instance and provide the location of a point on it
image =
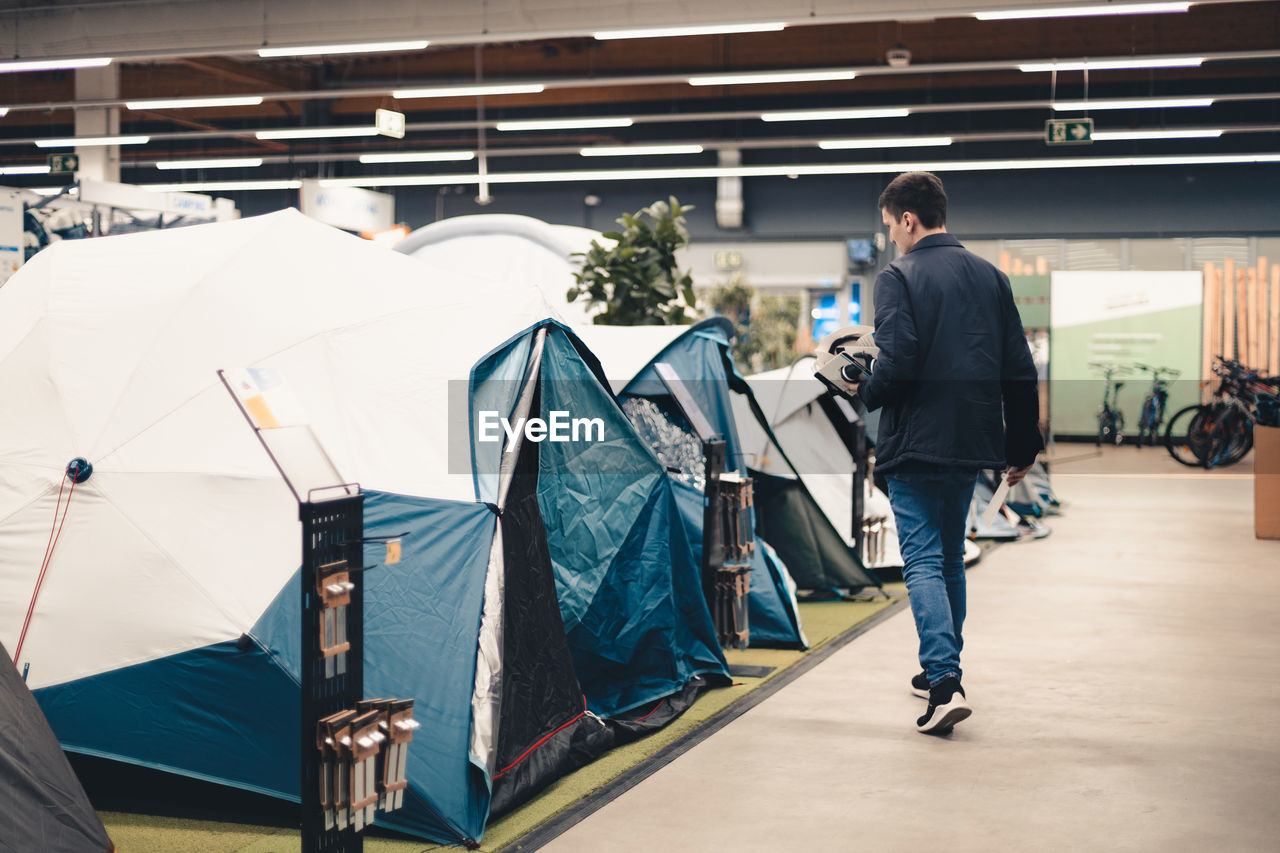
(765, 325)
(636, 278)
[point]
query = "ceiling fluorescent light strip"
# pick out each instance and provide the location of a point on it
(190, 103)
(564, 124)
(321, 49)
(673, 32)
(638, 150)
(1134, 104)
(469, 91)
(92, 141)
(1083, 11)
(24, 170)
(53, 64)
(317, 133)
(222, 186)
(419, 157)
(802, 169)
(1122, 135)
(1114, 64)
(885, 142)
(834, 115)
(224, 163)
(814, 76)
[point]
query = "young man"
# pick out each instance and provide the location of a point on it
(955, 379)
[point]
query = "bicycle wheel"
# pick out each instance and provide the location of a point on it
(1183, 430)
(1232, 439)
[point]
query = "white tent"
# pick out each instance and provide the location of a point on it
(108, 352)
(519, 250)
(789, 398)
(535, 256)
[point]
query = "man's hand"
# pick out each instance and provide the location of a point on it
(1015, 475)
(851, 388)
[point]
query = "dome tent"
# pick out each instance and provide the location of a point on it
(787, 517)
(536, 256)
(169, 598)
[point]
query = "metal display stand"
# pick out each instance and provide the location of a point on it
(332, 544)
(352, 750)
(725, 545)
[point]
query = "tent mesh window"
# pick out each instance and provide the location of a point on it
(671, 437)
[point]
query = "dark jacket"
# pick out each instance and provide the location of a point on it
(954, 374)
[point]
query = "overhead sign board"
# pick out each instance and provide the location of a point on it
(64, 163)
(351, 208)
(1076, 131)
(129, 197)
(389, 123)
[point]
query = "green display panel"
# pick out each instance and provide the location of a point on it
(1121, 319)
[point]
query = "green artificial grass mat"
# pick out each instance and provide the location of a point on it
(825, 623)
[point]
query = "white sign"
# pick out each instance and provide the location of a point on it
(130, 197)
(559, 428)
(389, 123)
(1087, 296)
(351, 208)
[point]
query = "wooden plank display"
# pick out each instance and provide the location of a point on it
(1212, 322)
(1274, 367)
(1242, 318)
(1251, 317)
(1260, 317)
(1228, 349)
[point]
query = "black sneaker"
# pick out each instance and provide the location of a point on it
(947, 706)
(920, 685)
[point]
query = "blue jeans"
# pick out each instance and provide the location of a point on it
(932, 509)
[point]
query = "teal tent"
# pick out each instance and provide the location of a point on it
(803, 545)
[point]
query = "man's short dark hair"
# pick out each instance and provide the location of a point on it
(919, 192)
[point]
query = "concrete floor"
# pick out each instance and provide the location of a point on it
(1125, 679)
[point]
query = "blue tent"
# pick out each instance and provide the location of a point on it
(627, 584)
(787, 518)
(534, 627)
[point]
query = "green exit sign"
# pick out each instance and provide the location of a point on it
(1077, 131)
(64, 163)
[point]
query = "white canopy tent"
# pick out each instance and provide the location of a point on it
(109, 350)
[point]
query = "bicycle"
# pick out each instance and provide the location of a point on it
(1110, 418)
(1209, 435)
(1153, 406)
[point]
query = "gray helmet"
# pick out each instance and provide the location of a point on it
(845, 355)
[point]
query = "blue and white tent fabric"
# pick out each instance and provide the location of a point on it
(165, 630)
(805, 550)
(534, 255)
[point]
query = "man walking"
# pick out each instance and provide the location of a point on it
(955, 379)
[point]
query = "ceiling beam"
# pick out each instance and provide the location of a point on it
(151, 29)
(277, 92)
